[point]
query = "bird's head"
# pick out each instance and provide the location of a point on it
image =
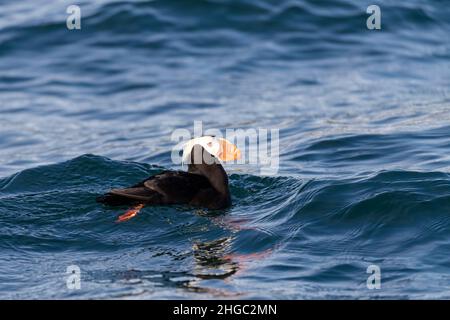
(220, 148)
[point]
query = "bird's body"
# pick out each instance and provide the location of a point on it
(169, 188)
(205, 184)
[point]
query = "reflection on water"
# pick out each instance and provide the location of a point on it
(212, 259)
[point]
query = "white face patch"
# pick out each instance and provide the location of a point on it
(210, 144)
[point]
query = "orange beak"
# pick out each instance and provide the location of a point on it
(228, 151)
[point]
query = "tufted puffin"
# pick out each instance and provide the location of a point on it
(205, 184)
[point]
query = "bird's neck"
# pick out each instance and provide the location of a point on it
(215, 174)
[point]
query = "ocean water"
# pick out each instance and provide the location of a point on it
(364, 171)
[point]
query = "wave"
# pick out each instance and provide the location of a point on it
(185, 25)
(363, 178)
(51, 209)
(379, 202)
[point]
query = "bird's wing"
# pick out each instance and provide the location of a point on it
(140, 194)
(177, 186)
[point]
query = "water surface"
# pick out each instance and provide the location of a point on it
(364, 140)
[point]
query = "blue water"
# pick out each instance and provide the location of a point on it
(364, 119)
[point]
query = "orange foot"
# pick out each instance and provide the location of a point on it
(130, 213)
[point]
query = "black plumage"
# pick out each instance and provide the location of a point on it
(205, 184)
